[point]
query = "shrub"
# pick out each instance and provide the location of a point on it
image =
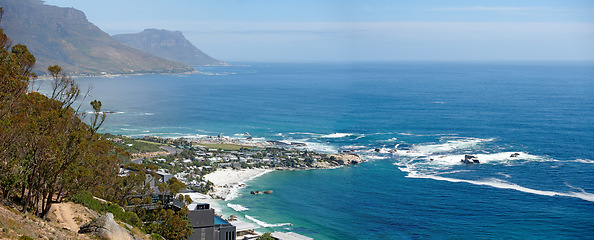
(118, 212)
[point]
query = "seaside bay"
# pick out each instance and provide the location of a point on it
(413, 122)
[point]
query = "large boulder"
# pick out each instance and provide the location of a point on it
(347, 158)
(105, 227)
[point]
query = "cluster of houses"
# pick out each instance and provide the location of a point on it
(202, 160)
(195, 161)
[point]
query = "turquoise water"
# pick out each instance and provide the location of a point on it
(432, 114)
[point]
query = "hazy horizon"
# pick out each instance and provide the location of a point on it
(305, 31)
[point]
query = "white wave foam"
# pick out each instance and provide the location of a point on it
(374, 157)
(353, 147)
(498, 183)
(381, 150)
(426, 163)
(584, 161)
(449, 145)
(318, 147)
(505, 175)
(237, 207)
(267, 225)
(301, 133)
(337, 135)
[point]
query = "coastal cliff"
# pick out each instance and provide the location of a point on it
(64, 36)
(170, 45)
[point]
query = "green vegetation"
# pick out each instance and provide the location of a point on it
(265, 236)
(118, 212)
(158, 222)
(134, 145)
(48, 153)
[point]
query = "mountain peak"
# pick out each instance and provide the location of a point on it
(168, 44)
(64, 36)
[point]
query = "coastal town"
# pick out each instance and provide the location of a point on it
(215, 168)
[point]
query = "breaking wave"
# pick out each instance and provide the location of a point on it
(337, 135)
(498, 183)
(237, 207)
(265, 224)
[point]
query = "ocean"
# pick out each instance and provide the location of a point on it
(413, 122)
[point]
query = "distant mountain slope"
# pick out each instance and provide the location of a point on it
(65, 37)
(169, 45)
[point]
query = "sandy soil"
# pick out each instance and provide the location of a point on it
(70, 216)
(15, 224)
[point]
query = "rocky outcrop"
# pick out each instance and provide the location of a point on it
(346, 158)
(469, 159)
(105, 227)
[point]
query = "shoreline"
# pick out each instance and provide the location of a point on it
(227, 182)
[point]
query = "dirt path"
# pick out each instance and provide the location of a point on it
(65, 215)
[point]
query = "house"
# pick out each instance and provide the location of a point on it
(208, 226)
(236, 165)
(161, 177)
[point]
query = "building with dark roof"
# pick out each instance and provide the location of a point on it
(208, 226)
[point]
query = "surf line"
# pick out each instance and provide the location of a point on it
(498, 183)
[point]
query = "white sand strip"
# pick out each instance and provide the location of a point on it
(228, 181)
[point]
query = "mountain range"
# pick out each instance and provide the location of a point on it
(167, 44)
(64, 36)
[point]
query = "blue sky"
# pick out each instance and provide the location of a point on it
(364, 30)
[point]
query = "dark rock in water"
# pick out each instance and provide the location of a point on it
(515, 155)
(252, 192)
(297, 144)
(378, 150)
(268, 191)
(469, 159)
(105, 227)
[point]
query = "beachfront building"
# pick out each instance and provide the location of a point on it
(208, 226)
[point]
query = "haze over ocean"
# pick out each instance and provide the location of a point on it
(431, 113)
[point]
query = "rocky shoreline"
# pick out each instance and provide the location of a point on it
(227, 182)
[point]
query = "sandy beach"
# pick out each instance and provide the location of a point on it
(228, 181)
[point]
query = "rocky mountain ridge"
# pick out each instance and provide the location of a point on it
(64, 36)
(170, 45)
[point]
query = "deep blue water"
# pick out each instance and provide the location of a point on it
(431, 113)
